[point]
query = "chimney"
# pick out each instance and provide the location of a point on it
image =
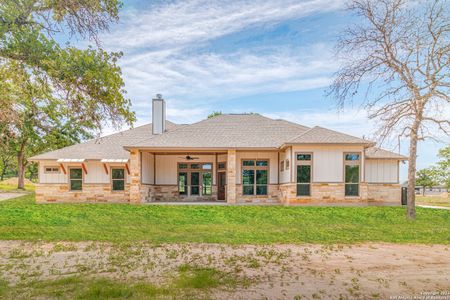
(158, 114)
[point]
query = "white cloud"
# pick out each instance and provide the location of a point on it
(163, 47)
(184, 23)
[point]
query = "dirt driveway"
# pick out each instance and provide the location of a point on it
(368, 271)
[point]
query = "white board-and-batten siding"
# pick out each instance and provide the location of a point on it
(166, 166)
(95, 172)
(382, 171)
(328, 162)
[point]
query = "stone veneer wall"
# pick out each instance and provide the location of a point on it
(384, 192)
(155, 193)
(335, 193)
(272, 196)
(56, 192)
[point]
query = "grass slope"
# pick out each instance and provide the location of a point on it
(22, 219)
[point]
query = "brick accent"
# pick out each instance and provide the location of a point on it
(92, 193)
(231, 176)
(135, 177)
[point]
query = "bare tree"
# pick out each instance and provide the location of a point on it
(399, 54)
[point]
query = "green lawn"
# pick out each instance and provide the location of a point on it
(433, 200)
(22, 219)
(13, 188)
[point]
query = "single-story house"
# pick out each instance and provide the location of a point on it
(235, 158)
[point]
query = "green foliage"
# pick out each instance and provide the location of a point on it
(438, 174)
(214, 114)
(23, 219)
(426, 178)
(443, 166)
(55, 95)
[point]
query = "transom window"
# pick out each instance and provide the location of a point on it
(118, 179)
(195, 179)
(76, 179)
(352, 170)
(51, 170)
(304, 174)
(255, 175)
(222, 166)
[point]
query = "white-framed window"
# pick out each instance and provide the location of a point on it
(255, 176)
(195, 179)
(51, 170)
(76, 179)
(352, 173)
(304, 164)
(118, 179)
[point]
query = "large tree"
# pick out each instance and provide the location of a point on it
(398, 52)
(56, 94)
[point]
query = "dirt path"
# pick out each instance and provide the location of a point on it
(7, 196)
(369, 271)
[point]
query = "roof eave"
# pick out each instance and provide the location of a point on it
(367, 144)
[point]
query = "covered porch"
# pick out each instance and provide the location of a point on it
(181, 176)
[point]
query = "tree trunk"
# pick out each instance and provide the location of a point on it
(21, 170)
(423, 191)
(411, 207)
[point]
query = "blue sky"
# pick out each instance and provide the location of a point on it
(270, 57)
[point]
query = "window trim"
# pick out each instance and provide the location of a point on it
(188, 172)
(124, 178)
(352, 163)
(70, 180)
(255, 168)
(52, 172)
(304, 163)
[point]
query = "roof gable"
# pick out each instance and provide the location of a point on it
(320, 135)
(227, 131)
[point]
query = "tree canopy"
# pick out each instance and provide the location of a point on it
(53, 94)
(399, 55)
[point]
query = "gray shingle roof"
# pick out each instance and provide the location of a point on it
(374, 152)
(107, 147)
(227, 131)
(320, 135)
(223, 131)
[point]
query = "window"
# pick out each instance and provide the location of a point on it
(222, 166)
(76, 179)
(207, 183)
(304, 174)
(282, 166)
(351, 169)
(304, 156)
(51, 170)
(182, 183)
(255, 177)
(287, 164)
(195, 179)
(118, 179)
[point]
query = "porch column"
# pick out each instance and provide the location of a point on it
(135, 176)
(231, 176)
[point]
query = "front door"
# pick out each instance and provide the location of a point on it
(221, 186)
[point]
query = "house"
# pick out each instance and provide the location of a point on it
(232, 157)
